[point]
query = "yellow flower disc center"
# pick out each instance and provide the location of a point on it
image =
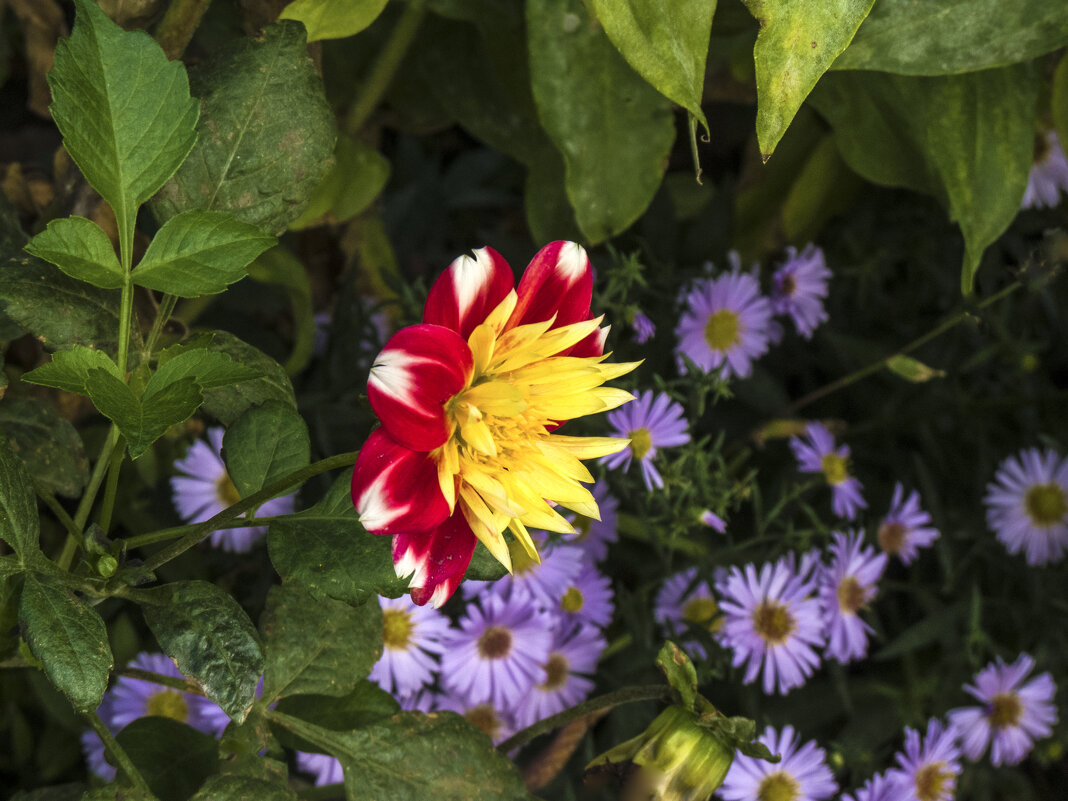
(226, 491)
(167, 704)
(556, 670)
(573, 601)
(640, 442)
(1005, 710)
(773, 622)
(851, 595)
(699, 610)
(495, 643)
(891, 536)
(485, 718)
(834, 468)
(788, 285)
(931, 781)
(722, 329)
(1046, 504)
(396, 629)
(778, 786)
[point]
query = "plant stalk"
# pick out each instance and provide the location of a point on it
(85, 506)
(118, 754)
(178, 25)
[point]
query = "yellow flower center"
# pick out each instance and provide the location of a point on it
(225, 490)
(1046, 504)
(851, 595)
(396, 629)
(1005, 710)
(573, 601)
(931, 781)
(891, 536)
(702, 612)
(167, 704)
(722, 329)
(495, 643)
(640, 442)
(556, 671)
(773, 621)
(788, 285)
(484, 717)
(778, 786)
(834, 468)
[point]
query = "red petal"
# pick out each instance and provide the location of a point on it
(558, 280)
(395, 488)
(421, 367)
(468, 291)
(437, 560)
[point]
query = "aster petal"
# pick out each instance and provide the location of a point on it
(468, 291)
(557, 282)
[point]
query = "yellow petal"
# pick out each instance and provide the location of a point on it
(588, 447)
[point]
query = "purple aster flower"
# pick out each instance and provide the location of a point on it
(1027, 505)
(877, 788)
(644, 330)
(802, 775)
(726, 324)
(713, 521)
(423, 701)
(495, 723)
(326, 769)
(684, 603)
(1049, 173)
(929, 766)
(573, 653)
(499, 651)
(906, 528)
(800, 286)
(650, 424)
(816, 454)
(594, 536)
(204, 489)
(542, 582)
(588, 599)
(1013, 714)
(846, 587)
(412, 637)
(772, 622)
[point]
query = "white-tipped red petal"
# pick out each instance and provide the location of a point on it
(436, 560)
(395, 489)
(417, 372)
(558, 281)
(468, 291)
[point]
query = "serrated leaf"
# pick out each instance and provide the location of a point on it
(48, 445)
(244, 788)
(317, 646)
(210, 369)
(266, 133)
(230, 402)
(68, 637)
(20, 525)
(81, 249)
(797, 43)
(174, 759)
(265, 444)
(211, 639)
(333, 19)
(69, 369)
(366, 704)
(665, 41)
(200, 253)
(124, 110)
(358, 176)
(951, 36)
(614, 130)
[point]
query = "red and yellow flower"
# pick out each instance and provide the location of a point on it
(470, 401)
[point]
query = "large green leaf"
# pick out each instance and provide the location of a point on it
(207, 633)
(318, 646)
(230, 402)
(665, 41)
(20, 526)
(366, 704)
(966, 139)
(173, 758)
(949, 36)
(266, 133)
(81, 249)
(124, 110)
(48, 444)
(68, 637)
(797, 43)
(244, 788)
(359, 175)
(209, 368)
(68, 370)
(333, 19)
(614, 130)
(265, 444)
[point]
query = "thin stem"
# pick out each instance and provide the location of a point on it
(179, 24)
(120, 756)
(112, 487)
(165, 534)
(163, 314)
(159, 678)
(389, 60)
(57, 509)
(125, 323)
(880, 364)
(648, 692)
(85, 506)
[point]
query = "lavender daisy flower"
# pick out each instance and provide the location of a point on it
(802, 775)
(644, 329)
(575, 652)
(594, 536)
(846, 587)
(877, 788)
(1027, 505)
(497, 654)
(492, 721)
(726, 324)
(906, 528)
(542, 582)
(204, 489)
(1013, 714)
(772, 622)
(650, 424)
(929, 766)
(800, 286)
(412, 637)
(588, 600)
(326, 769)
(679, 608)
(816, 454)
(713, 521)
(1049, 173)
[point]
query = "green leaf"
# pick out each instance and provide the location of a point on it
(48, 445)
(115, 792)
(366, 704)
(244, 788)
(61, 792)
(124, 110)
(173, 758)
(81, 249)
(230, 402)
(1059, 100)
(211, 639)
(484, 566)
(825, 187)
(679, 672)
(951, 36)
(966, 139)
(11, 578)
(317, 646)
(912, 369)
(69, 369)
(797, 43)
(266, 133)
(20, 526)
(326, 551)
(68, 637)
(200, 253)
(359, 175)
(333, 19)
(278, 266)
(614, 130)
(210, 369)
(265, 444)
(665, 41)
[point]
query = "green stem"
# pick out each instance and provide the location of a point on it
(85, 506)
(389, 60)
(880, 364)
(117, 753)
(112, 487)
(163, 314)
(280, 486)
(648, 692)
(125, 323)
(57, 509)
(165, 534)
(158, 678)
(179, 24)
